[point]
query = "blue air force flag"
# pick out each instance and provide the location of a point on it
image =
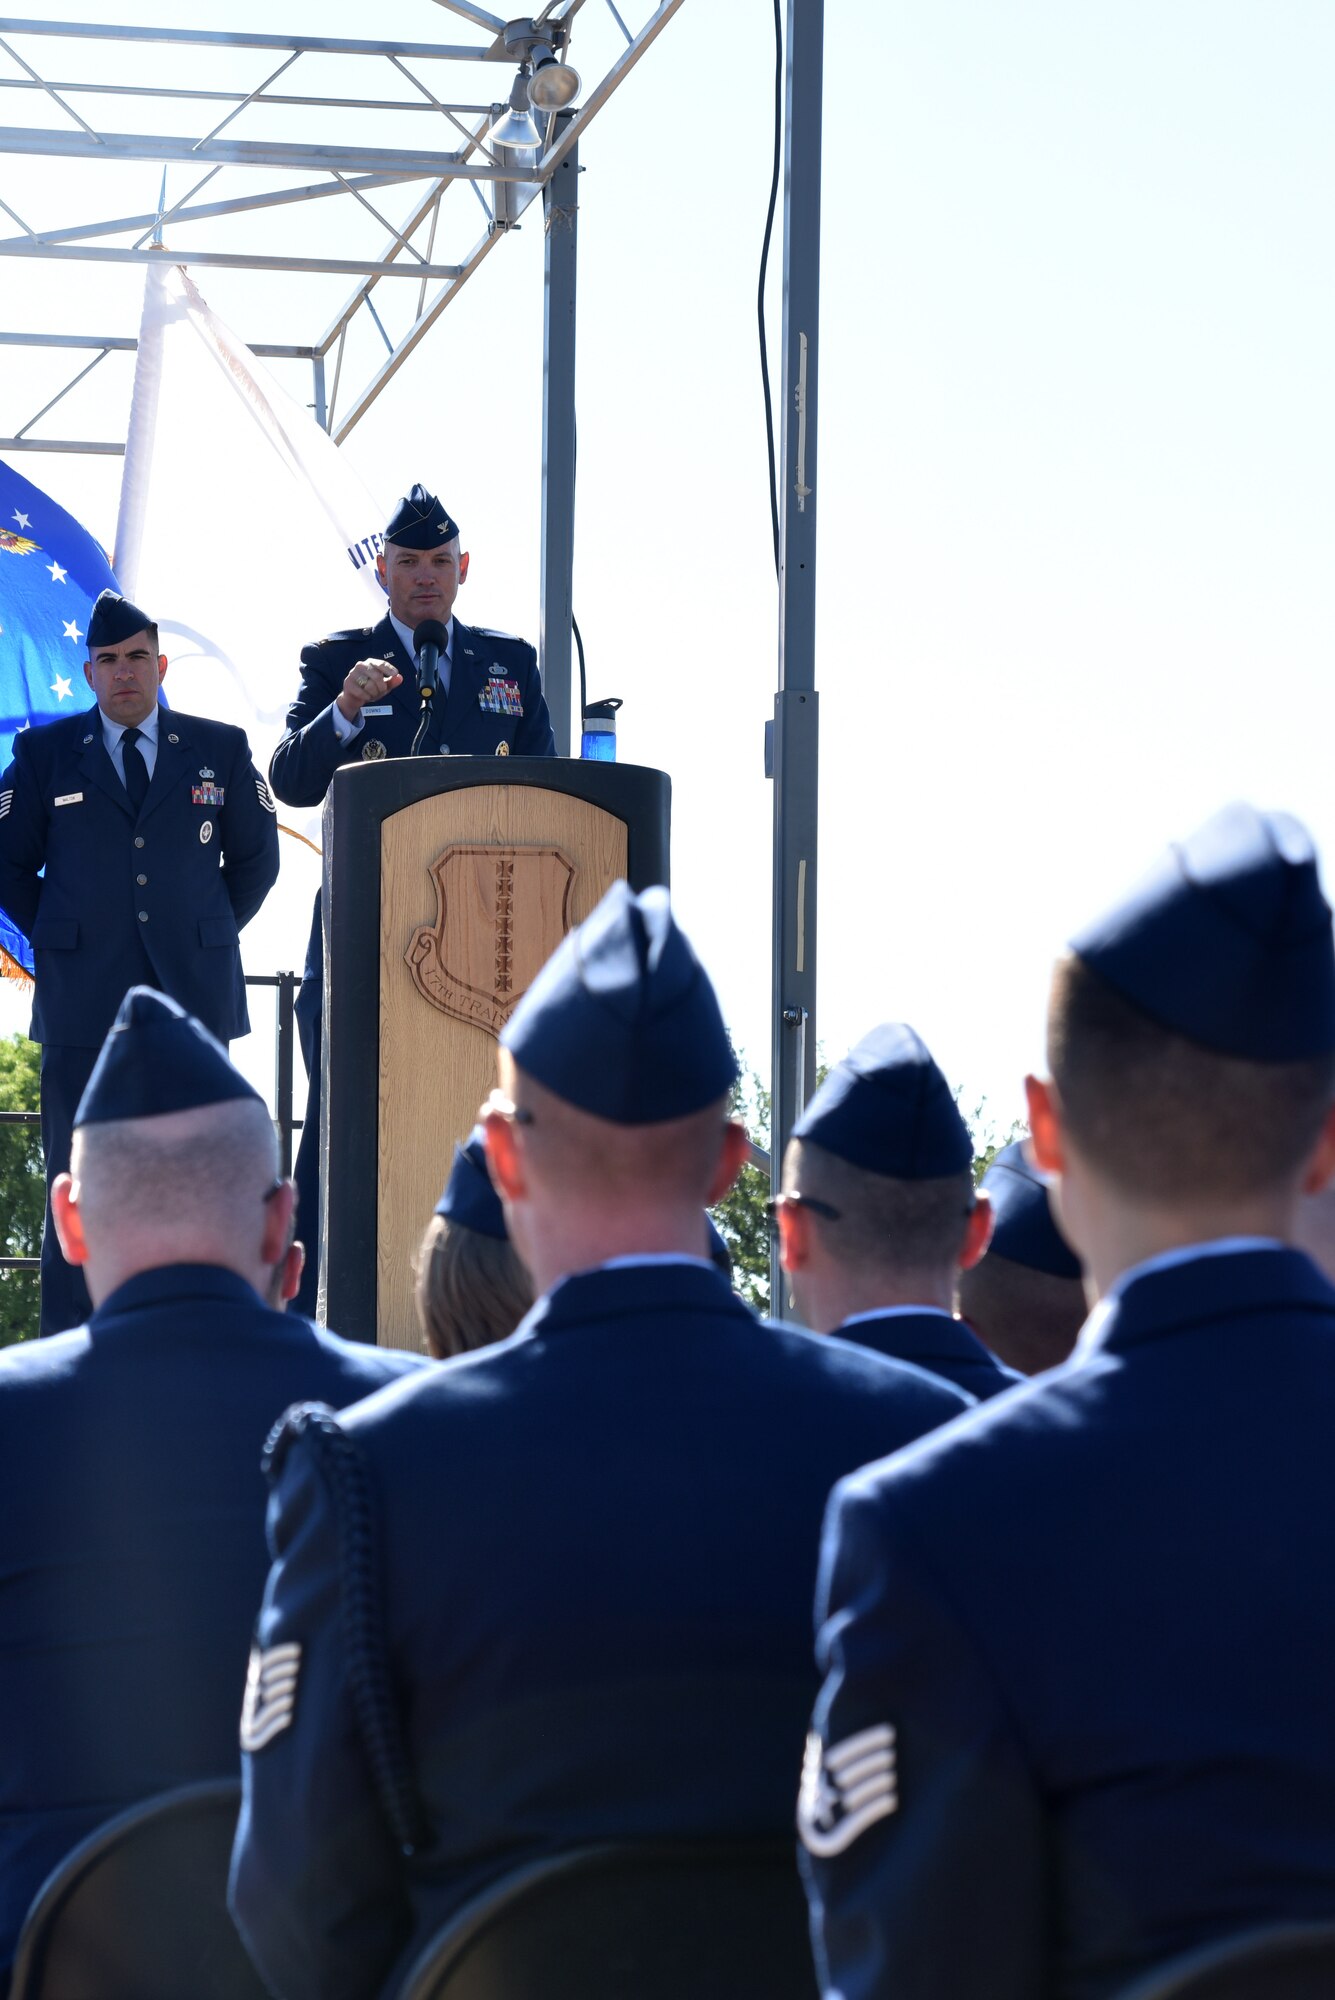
(51, 570)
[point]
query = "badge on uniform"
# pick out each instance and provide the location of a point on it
(271, 1694)
(205, 832)
(500, 697)
(65, 799)
(207, 794)
(264, 794)
(6, 801)
(373, 749)
(846, 1789)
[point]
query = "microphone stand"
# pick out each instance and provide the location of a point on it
(418, 740)
(429, 641)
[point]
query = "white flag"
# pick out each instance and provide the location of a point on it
(245, 534)
(242, 529)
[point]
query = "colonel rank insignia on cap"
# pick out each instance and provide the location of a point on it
(420, 522)
(846, 1788)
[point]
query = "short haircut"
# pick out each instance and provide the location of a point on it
(1161, 1118)
(1029, 1319)
(471, 1289)
(884, 1223)
(184, 1175)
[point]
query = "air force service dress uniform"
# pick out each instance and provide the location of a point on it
(607, 1635)
(111, 896)
(494, 707)
(132, 1559)
(1079, 1651)
(938, 1341)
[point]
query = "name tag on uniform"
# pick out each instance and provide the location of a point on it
(70, 799)
(378, 708)
(500, 697)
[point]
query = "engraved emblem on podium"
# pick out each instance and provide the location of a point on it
(500, 914)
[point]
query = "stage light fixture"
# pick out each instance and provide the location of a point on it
(517, 129)
(553, 84)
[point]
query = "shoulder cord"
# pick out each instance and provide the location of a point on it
(344, 1472)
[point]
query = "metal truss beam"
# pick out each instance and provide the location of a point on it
(330, 168)
(228, 260)
(114, 343)
(333, 45)
(208, 211)
(31, 143)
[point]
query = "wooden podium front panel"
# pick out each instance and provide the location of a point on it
(478, 886)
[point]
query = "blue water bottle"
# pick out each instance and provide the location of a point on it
(599, 740)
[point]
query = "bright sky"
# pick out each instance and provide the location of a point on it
(1076, 458)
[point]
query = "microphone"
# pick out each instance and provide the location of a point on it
(429, 640)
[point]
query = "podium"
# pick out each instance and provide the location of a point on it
(448, 882)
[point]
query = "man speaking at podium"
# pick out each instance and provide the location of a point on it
(360, 691)
(360, 699)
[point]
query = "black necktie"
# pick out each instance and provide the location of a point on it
(136, 770)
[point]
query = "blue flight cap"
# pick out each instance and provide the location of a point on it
(469, 1198)
(114, 618)
(1227, 941)
(158, 1058)
(420, 522)
(887, 1109)
(622, 1021)
(1022, 1226)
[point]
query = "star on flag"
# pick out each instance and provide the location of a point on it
(61, 688)
(58, 574)
(72, 631)
(22, 519)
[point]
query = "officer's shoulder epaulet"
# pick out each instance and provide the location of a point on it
(353, 637)
(510, 638)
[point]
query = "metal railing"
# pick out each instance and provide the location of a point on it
(285, 1045)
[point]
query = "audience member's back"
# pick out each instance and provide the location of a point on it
(132, 1555)
(1097, 1618)
(598, 1539)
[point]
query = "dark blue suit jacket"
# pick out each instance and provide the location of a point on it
(484, 668)
(1099, 1615)
(597, 1548)
(63, 808)
(933, 1340)
(132, 1555)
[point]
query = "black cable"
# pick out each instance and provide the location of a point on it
(583, 678)
(764, 267)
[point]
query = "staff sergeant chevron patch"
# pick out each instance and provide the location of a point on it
(271, 1694)
(846, 1789)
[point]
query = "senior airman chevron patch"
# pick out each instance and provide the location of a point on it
(846, 1789)
(271, 1694)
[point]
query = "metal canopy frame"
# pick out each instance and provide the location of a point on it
(444, 147)
(358, 177)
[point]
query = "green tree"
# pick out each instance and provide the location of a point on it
(741, 1216)
(22, 1188)
(988, 1138)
